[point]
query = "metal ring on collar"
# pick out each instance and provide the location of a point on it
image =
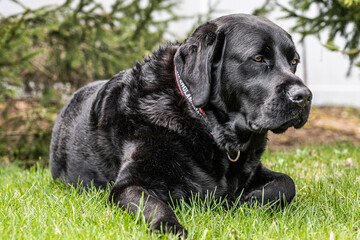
(233, 160)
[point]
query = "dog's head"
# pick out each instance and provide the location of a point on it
(243, 67)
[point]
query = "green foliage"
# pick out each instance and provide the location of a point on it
(350, 2)
(33, 206)
(339, 19)
(78, 41)
(16, 52)
(91, 43)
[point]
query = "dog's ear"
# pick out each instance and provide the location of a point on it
(196, 60)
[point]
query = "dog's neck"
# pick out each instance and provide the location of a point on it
(231, 143)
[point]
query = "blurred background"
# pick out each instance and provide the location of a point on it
(50, 48)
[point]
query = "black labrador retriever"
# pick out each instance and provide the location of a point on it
(190, 119)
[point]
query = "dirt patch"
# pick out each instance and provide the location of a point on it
(326, 125)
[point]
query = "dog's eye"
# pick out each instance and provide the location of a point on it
(258, 59)
(294, 61)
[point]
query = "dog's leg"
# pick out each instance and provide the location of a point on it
(269, 187)
(158, 213)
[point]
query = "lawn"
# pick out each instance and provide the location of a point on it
(327, 205)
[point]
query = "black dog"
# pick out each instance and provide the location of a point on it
(190, 119)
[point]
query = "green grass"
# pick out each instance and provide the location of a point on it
(327, 206)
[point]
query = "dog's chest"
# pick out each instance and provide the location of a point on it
(240, 173)
(222, 177)
(205, 181)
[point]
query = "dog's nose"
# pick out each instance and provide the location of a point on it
(300, 95)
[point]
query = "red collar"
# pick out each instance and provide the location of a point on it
(185, 92)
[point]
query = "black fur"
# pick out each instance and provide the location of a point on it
(140, 133)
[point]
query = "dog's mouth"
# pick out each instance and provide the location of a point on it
(278, 126)
(296, 123)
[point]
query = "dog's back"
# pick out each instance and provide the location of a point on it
(65, 144)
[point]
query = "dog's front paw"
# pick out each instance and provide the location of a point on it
(255, 198)
(169, 227)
